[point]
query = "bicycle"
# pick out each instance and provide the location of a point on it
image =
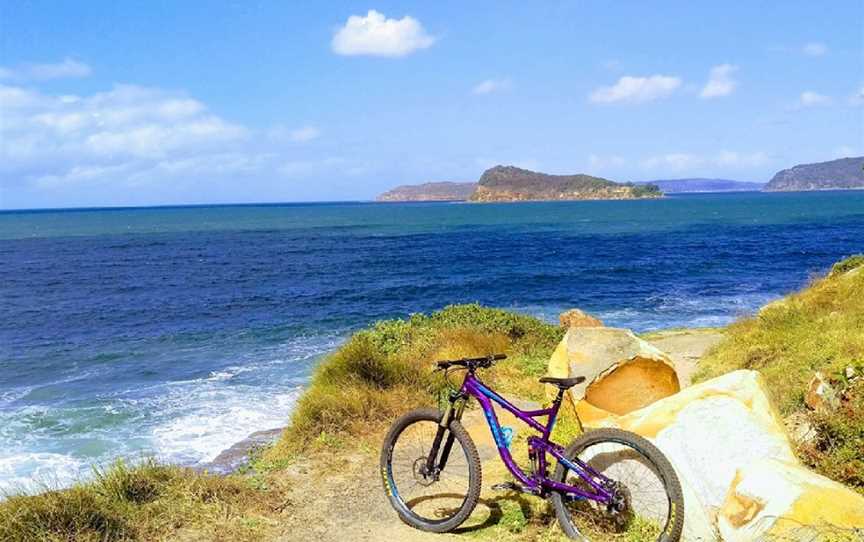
(597, 485)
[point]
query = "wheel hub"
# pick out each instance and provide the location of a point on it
(421, 474)
(620, 502)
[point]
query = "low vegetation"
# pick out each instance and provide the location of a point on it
(387, 369)
(141, 503)
(820, 328)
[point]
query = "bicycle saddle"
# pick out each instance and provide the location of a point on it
(563, 383)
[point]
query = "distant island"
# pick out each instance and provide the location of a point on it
(509, 183)
(440, 191)
(698, 184)
(842, 174)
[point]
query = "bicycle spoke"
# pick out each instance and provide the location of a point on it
(432, 497)
(639, 480)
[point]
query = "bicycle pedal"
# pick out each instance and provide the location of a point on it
(510, 486)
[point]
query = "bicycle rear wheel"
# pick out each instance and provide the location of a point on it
(649, 501)
(437, 502)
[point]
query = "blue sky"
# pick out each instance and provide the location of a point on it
(141, 103)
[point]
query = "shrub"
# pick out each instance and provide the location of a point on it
(385, 370)
(144, 502)
(850, 263)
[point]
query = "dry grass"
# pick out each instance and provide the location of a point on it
(141, 503)
(386, 370)
(820, 328)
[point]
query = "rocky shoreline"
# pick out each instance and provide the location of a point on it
(238, 455)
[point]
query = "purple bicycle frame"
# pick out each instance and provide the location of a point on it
(538, 481)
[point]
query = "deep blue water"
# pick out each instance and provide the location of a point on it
(178, 331)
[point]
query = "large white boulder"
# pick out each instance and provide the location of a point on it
(775, 500)
(709, 431)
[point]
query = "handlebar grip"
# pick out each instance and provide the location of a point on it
(485, 361)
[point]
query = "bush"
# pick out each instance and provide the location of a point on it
(837, 449)
(387, 369)
(142, 502)
(850, 263)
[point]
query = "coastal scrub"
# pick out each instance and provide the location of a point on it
(386, 370)
(820, 328)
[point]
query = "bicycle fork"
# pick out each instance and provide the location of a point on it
(454, 410)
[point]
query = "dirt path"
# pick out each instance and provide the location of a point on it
(349, 502)
(686, 347)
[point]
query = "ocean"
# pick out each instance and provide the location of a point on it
(177, 331)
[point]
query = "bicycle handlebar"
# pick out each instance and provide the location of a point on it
(485, 361)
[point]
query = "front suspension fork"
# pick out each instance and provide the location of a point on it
(454, 410)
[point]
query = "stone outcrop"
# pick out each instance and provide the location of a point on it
(623, 372)
(725, 438)
(776, 500)
(578, 318)
(709, 431)
(820, 394)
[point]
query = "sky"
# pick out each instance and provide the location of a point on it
(162, 102)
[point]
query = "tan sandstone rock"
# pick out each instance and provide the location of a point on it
(623, 372)
(578, 318)
(820, 394)
(709, 431)
(776, 500)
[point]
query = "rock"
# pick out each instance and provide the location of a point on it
(577, 318)
(799, 428)
(623, 372)
(709, 431)
(820, 394)
(236, 456)
(776, 500)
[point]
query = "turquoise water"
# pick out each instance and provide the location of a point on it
(179, 331)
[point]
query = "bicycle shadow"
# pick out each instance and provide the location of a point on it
(495, 512)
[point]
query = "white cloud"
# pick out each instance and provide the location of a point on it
(102, 148)
(631, 89)
(814, 48)
(810, 98)
(720, 81)
(68, 68)
(491, 85)
(306, 133)
(688, 161)
(738, 159)
(601, 162)
(376, 35)
(675, 161)
(128, 129)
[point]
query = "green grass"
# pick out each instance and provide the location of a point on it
(140, 503)
(386, 370)
(820, 328)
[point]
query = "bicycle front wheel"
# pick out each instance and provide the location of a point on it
(440, 501)
(648, 499)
